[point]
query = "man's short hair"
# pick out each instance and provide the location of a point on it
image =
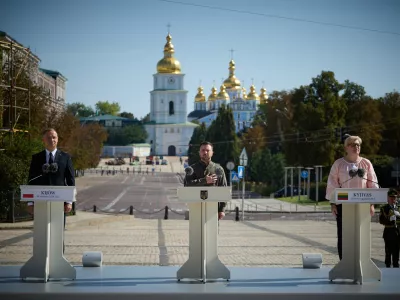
(48, 130)
(205, 143)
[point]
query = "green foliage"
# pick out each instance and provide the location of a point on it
(128, 115)
(267, 168)
(107, 108)
(390, 110)
(198, 136)
(126, 135)
(223, 136)
(79, 110)
(364, 119)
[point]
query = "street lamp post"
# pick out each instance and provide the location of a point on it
(317, 180)
(299, 187)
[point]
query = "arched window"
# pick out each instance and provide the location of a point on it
(171, 108)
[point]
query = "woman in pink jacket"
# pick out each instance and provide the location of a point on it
(343, 174)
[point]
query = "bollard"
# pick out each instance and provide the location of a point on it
(94, 208)
(131, 210)
(236, 213)
(166, 213)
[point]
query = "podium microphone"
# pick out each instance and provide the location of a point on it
(361, 174)
(35, 178)
(352, 174)
(189, 171)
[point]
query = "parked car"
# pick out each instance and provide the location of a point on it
(281, 192)
(164, 162)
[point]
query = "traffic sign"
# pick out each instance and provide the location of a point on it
(230, 165)
(240, 171)
(234, 177)
(304, 174)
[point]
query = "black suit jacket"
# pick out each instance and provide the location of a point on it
(64, 175)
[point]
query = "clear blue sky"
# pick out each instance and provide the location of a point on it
(108, 50)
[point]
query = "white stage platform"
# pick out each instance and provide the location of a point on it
(132, 282)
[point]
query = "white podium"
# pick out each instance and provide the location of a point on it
(48, 261)
(203, 262)
(356, 263)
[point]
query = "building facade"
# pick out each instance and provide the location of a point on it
(244, 105)
(169, 131)
(16, 55)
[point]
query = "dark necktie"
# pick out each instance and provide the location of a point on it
(50, 158)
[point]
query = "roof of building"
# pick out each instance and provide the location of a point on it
(104, 118)
(53, 73)
(5, 36)
(199, 114)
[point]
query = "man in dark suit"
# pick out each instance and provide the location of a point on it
(51, 167)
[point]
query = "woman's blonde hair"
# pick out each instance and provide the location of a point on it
(351, 139)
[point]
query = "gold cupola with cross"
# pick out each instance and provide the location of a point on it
(200, 97)
(169, 64)
(232, 82)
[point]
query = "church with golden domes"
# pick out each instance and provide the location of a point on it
(231, 93)
(169, 131)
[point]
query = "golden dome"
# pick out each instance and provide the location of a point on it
(222, 95)
(169, 64)
(244, 94)
(263, 96)
(253, 95)
(232, 82)
(213, 95)
(200, 95)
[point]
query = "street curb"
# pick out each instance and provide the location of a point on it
(73, 224)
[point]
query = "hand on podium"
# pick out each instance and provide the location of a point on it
(221, 214)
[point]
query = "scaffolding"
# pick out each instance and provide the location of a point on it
(15, 100)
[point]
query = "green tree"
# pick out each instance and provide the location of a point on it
(364, 119)
(267, 168)
(353, 92)
(107, 108)
(390, 110)
(198, 136)
(128, 115)
(80, 110)
(145, 119)
(318, 110)
(222, 135)
(126, 135)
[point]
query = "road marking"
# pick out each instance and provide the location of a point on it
(125, 180)
(117, 199)
(133, 179)
(142, 180)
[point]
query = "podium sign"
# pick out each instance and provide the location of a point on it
(48, 261)
(372, 196)
(356, 263)
(193, 194)
(203, 262)
(47, 193)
